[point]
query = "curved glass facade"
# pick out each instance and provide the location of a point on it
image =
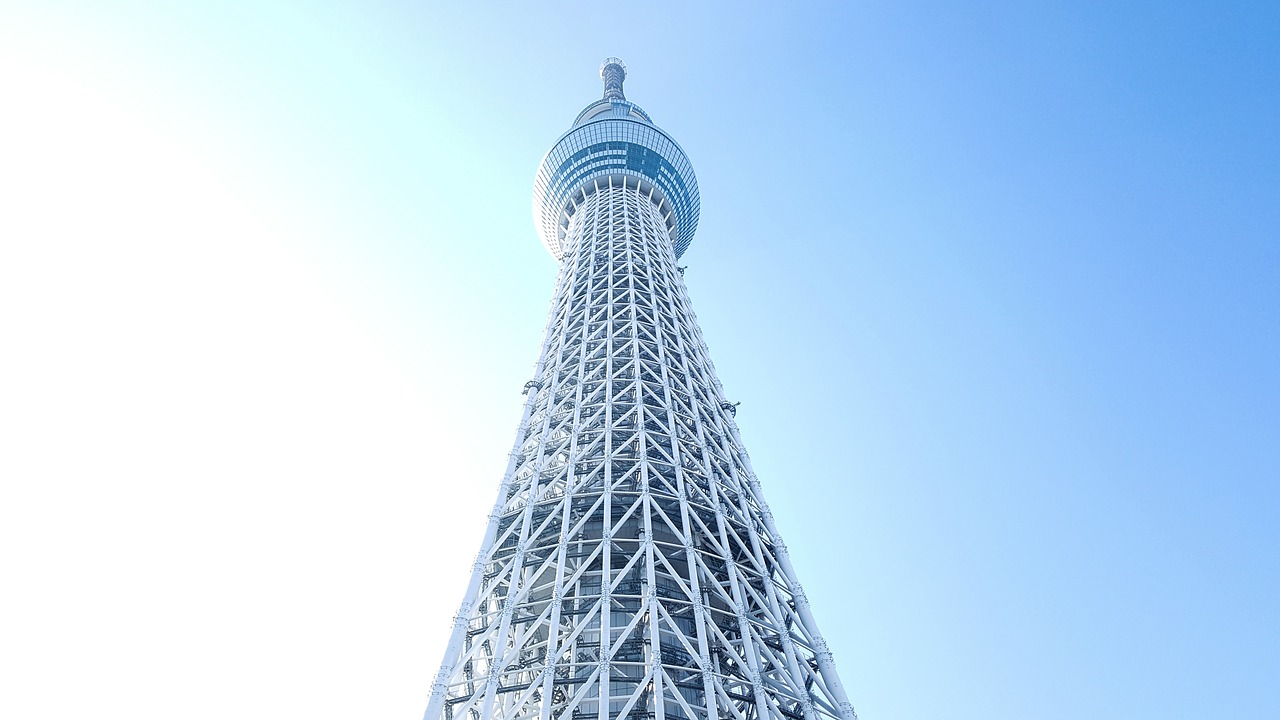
(614, 138)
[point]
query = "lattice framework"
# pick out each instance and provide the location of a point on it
(630, 567)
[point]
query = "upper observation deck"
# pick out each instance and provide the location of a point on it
(614, 138)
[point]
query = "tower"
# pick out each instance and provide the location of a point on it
(630, 568)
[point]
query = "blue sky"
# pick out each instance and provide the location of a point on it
(996, 286)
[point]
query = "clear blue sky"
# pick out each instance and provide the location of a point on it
(997, 286)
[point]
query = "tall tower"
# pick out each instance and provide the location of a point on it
(631, 568)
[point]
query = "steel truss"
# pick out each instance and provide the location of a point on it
(631, 568)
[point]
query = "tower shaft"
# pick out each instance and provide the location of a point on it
(631, 568)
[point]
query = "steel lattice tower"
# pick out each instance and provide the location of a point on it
(630, 568)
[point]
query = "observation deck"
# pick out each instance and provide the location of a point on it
(614, 140)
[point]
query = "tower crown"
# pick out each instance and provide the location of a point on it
(613, 72)
(614, 141)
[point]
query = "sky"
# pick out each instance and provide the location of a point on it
(996, 285)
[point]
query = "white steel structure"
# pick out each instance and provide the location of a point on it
(630, 568)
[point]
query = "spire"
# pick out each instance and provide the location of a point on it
(613, 72)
